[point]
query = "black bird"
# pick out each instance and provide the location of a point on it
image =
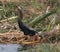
(26, 29)
(29, 32)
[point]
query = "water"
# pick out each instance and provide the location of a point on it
(14, 48)
(38, 48)
(9, 47)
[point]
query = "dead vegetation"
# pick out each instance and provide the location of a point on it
(15, 37)
(18, 37)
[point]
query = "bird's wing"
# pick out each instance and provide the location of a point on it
(28, 27)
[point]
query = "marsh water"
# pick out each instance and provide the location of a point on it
(13, 48)
(9, 47)
(39, 48)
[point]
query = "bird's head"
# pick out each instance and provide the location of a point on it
(19, 12)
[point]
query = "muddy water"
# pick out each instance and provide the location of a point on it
(9, 47)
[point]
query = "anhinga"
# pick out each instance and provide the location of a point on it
(30, 32)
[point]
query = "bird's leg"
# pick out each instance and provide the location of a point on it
(27, 38)
(31, 40)
(34, 38)
(37, 38)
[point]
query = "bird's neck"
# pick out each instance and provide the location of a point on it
(20, 22)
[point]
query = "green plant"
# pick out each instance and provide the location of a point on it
(39, 19)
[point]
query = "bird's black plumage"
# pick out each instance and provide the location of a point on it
(26, 29)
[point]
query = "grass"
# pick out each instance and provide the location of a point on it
(44, 47)
(39, 19)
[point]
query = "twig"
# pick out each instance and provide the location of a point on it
(8, 19)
